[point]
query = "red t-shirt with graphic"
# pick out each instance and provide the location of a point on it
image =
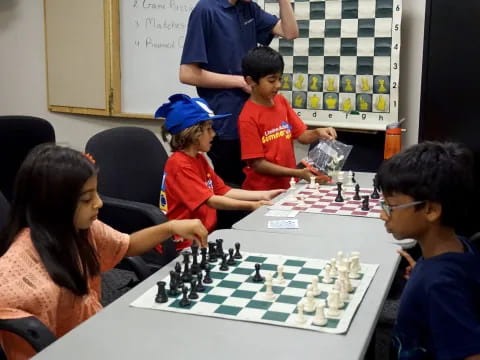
(268, 132)
(188, 182)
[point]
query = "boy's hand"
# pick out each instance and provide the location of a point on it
(190, 229)
(270, 194)
(305, 174)
(257, 204)
(411, 263)
(327, 133)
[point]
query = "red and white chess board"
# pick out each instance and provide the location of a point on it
(322, 201)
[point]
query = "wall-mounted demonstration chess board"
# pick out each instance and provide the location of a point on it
(344, 66)
(235, 295)
(322, 201)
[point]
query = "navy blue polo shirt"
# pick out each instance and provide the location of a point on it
(218, 36)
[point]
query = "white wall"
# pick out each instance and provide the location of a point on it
(23, 78)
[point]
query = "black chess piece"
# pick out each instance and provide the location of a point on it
(375, 194)
(178, 268)
(257, 277)
(200, 286)
(187, 273)
(339, 197)
(161, 293)
(207, 279)
(231, 260)
(353, 177)
(237, 251)
(186, 256)
(184, 302)
(173, 291)
(219, 243)
(357, 193)
(212, 252)
(223, 265)
(193, 290)
(365, 206)
(195, 268)
(203, 262)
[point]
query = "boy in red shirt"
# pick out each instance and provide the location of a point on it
(190, 187)
(268, 125)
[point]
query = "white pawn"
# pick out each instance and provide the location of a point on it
(340, 259)
(269, 294)
(355, 268)
(343, 293)
(320, 319)
(333, 303)
(292, 183)
(280, 278)
(300, 318)
(317, 187)
(333, 264)
(316, 290)
(326, 277)
(350, 176)
(312, 182)
(310, 303)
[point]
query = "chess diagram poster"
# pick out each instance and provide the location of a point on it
(343, 69)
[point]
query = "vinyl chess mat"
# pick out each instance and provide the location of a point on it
(323, 202)
(346, 58)
(234, 295)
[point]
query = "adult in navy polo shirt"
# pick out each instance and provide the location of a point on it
(219, 34)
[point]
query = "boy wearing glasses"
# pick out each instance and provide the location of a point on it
(439, 313)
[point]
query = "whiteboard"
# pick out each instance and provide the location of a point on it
(152, 34)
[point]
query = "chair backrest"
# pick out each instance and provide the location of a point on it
(31, 329)
(131, 162)
(4, 211)
(18, 135)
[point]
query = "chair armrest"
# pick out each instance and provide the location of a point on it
(31, 329)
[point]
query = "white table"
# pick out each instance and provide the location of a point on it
(327, 226)
(123, 332)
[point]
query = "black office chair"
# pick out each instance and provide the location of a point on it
(18, 135)
(30, 329)
(131, 162)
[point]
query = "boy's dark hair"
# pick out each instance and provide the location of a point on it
(262, 61)
(46, 193)
(434, 171)
(185, 137)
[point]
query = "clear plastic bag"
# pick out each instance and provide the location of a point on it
(328, 156)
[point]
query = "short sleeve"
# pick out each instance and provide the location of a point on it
(111, 245)
(195, 46)
(454, 320)
(219, 187)
(250, 140)
(264, 23)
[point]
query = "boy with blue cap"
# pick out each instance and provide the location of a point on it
(190, 187)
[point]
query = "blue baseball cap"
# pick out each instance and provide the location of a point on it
(183, 111)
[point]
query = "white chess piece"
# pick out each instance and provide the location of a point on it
(326, 277)
(312, 182)
(333, 303)
(355, 267)
(310, 302)
(340, 176)
(333, 264)
(315, 289)
(350, 176)
(343, 292)
(317, 187)
(292, 183)
(340, 259)
(280, 278)
(300, 317)
(269, 294)
(320, 318)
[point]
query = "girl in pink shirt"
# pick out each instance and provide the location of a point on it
(53, 249)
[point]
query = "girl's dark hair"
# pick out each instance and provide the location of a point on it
(262, 61)
(434, 171)
(46, 193)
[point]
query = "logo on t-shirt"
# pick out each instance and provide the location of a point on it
(209, 181)
(284, 130)
(163, 194)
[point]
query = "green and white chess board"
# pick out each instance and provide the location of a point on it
(234, 295)
(344, 66)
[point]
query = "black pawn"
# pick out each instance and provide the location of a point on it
(375, 194)
(339, 197)
(212, 252)
(203, 262)
(187, 274)
(161, 293)
(207, 279)
(237, 251)
(173, 284)
(353, 178)
(257, 277)
(219, 248)
(223, 265)
(178, 268)
(195, 265)
(357, 193)
(200, 286)
(231, 260)
(193, 290)
(365, 206)
(185, 302)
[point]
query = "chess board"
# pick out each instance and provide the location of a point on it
(233, 294)
(344, 66)
(323, 202)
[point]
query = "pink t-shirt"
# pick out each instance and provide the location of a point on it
(26, 289)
